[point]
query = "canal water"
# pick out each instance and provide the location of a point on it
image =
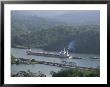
(46, 69)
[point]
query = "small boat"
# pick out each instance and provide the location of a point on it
(76, 57)
(94, 57)
(61, 54)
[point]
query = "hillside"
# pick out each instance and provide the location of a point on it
(32, 30)
(79, 18)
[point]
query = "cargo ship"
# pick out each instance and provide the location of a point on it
(62, 54)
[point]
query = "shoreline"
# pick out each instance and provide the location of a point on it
(56, 51)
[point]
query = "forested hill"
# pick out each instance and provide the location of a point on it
(28, 30)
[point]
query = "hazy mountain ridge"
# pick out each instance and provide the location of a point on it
(31, 21)
(71, 18)
(80, 19)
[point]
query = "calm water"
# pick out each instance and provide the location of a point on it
(85, 62)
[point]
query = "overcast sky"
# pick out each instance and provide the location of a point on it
(52, 13)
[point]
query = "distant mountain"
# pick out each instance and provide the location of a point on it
(79, 18)
(73, 18)
(29, 21)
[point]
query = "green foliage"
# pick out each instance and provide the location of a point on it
(40, 74)
(87, 40)
(78, 73)
(28, 73)
(33, 60)
(13, 59)
(38, 32)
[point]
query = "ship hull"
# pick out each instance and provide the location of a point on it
(47, 55)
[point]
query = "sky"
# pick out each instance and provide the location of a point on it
(44, 13)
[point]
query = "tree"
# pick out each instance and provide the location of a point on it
(78, 73)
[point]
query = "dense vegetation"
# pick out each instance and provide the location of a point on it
(28, 73)
(36, 32)
(17, 61)
(77, 73)
(63, 73)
